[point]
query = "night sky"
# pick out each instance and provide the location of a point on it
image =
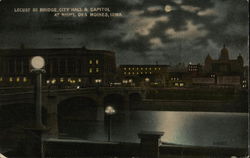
(167, 31)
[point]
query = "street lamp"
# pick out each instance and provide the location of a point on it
(37, 63)
(109, 111)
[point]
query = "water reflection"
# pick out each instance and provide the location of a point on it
(187, 128)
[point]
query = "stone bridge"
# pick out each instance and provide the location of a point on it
(84, 102)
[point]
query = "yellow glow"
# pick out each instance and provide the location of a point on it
(97, 70)
(18, 79)
(129, 68)
(125, 73)
(61, 80)
(11, 79)
(24, 79)
(90, 62)
(137, 68)
(48, 81)
(181, 84)
(90, 70)
(125, 68)
(176, 84)
(147, 79)
(69, 79)
(79, 80)
(1, 79)
(141, 68)
(96, 61)
(53, 81)
(150, 68)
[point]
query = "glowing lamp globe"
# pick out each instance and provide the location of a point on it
(109, 110)
(37, 62)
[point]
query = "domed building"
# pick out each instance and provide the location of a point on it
(224, 65)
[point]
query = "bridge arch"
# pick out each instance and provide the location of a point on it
(135, 100)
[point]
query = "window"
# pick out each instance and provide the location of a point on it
(24, 79)
(125, 68)
(96, 69)
(17, 79)
(61, 79)
(176, 84)
(90, 62)
(181, 84)
(1, 79)
(11, 79)
(96, 61)
(79, 80)
(90, 70)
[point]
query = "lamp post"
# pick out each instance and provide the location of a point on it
(109, 111)
(37, 63)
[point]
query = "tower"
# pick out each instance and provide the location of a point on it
(224, 54)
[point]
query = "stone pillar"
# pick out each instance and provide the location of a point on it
(33, 145)
(52, 121)
(150, 142)
(100, 108)
(100, 113)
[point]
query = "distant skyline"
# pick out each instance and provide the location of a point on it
(167, 31)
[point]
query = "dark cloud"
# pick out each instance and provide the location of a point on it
(169, 31)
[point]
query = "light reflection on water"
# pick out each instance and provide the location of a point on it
(187, 128)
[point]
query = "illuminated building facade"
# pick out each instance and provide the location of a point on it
(64, 67)
(139, 74)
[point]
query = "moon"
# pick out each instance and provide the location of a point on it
(168, 8)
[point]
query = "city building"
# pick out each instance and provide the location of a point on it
(226, 72)
(153, 75)
(224, 65)
(63, 66)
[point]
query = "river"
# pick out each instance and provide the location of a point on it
(185, 128)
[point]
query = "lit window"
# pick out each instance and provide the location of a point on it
(90, 70)
(150, 68)
(130, 80)
(133, 68)
(137, 68)
(25, 79)
(146, 72)
(18, 79)
(90, 62)
(150, 72)
(137, 73)
(181, 84)
(176, 84)
(155, 68)
(69, 79)
(141, 68)
(11, 79)
(125, 73)
(98, 80)
(129, 73)
(129, 68)
(1, 79)
(61, 79)
(141, 72)
(146, 68)
(53, 81)
(97, 62)
(133, 73)
(79, 80)
(159, 68)
(125, 68)
(97, 70)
